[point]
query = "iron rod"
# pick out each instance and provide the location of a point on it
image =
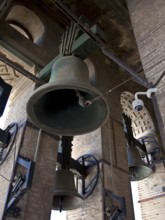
(17, 67)
(104, 47)
(38, 145)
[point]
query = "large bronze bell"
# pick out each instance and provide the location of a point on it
(66, 196)
(137, 167)
(64, 105)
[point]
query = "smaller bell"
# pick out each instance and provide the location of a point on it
(66, 196)
(138, 168)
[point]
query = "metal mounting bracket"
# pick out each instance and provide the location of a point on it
(22, 185)
(118, 210)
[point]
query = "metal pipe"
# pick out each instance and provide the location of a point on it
(37, 145)
(17, 67)
(110, 145)
(104, 47)
(106, 51)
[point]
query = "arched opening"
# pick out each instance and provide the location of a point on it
(27, 23)
(142, 123)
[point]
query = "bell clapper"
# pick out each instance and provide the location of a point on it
(132, 172)
(82, 101)
(61, 200)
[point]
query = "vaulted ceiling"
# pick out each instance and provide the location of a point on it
(21, 31)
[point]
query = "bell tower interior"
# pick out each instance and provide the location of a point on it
(75, 67)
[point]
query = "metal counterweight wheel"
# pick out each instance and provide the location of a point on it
(89, 183)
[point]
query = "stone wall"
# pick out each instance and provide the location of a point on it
(148, 25)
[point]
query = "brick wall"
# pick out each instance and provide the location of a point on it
(16, 113)
(115, 165)
(148, 25)
(151, 196)
(108, 145)
(37, 203)
(92, 208)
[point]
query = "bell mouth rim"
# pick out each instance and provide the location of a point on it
(70, 194)
(145, 176)
(78, 198)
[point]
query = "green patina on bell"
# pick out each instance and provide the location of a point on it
(64, 105)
